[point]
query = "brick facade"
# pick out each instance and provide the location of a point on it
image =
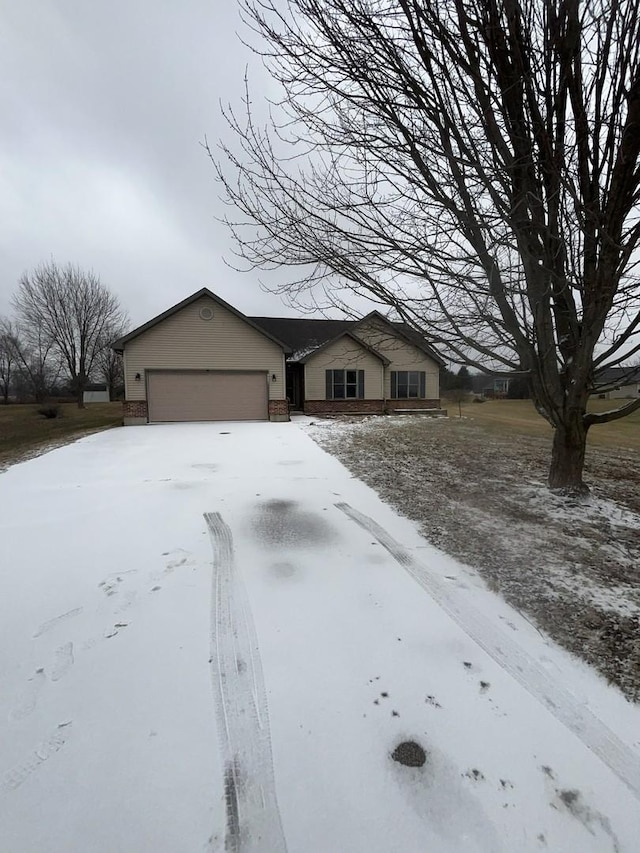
(397, 405)
(278, 410)
(343, 407)
(134, 412)
(135, 408)
(365, 407)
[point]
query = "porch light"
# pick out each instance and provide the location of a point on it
(274, 378)
(138, 377)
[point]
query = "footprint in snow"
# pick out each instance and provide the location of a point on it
(41, 753)
(29, 698)
(127, 600)
(62, 661)
(112, 632)
(52, 623)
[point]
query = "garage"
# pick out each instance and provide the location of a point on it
(206, 395)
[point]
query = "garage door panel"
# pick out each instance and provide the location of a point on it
(197, 395)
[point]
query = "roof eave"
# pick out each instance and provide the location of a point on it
(425, 347)
(360, 342)
(120, 344)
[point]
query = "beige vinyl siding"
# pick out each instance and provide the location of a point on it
(403, 356)
(345, 354)
(186, 341)
(195, 395)
(625, 392)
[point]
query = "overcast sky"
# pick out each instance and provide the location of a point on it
(103, 107)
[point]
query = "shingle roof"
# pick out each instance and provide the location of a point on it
(304, 334)
(617, 376)
(298, 336)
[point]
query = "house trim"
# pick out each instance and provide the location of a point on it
(339, 337)
(398, 330)
(119, 345)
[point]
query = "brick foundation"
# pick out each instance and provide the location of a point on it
(397, 405)
(366, 407)
(135, 412)
(278, 410)
(343, 407)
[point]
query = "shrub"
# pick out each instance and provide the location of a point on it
(478, 400)
(50, 412)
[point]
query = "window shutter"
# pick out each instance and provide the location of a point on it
(423, 384)
(394, 385)
(329, 384)
(361, 384)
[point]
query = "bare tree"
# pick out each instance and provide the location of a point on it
(109, 365)
(470, 164)
(30, 365)
(458, 396)
(7, 358)
(73, 310)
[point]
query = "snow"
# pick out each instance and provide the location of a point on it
(303, 352)
(277, 651)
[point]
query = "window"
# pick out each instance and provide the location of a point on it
(345, 384)
(408, 383)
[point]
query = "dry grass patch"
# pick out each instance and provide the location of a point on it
(477, 488)
(520, 417)
(25, 433)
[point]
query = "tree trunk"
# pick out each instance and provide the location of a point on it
(567, 457)
(81, 382)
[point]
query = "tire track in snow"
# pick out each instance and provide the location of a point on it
(253, 823)
(576, 716)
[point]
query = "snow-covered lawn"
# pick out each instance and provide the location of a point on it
(212, 637)
(478, 491)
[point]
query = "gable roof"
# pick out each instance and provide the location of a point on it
(630, 373)
(298, 336)
(305, 335)
(408, 333)
(302, 334)
(119, 345)
(617, 376)
(347, 334)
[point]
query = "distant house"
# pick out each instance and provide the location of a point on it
(618, 383)
(96, 393)
(203, 360)
(500, 384)
(612, 383)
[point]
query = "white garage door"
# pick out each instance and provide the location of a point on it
(199, 395)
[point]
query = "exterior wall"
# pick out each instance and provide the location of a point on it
(344, 354)
(135, 412)
(186, 341)
(625, 392)
(412, 404)
(95, 397)
(354, 407)
(403, 356)
(279, 410)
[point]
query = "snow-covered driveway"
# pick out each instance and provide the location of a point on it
(213, 638)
